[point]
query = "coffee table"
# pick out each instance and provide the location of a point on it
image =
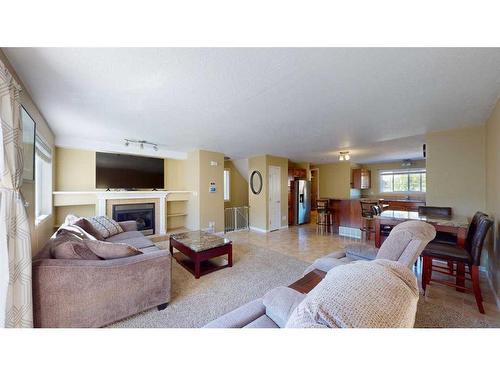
(197, 250)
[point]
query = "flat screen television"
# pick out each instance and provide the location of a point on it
(120, 171)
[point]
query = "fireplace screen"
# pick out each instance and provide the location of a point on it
(142, 213)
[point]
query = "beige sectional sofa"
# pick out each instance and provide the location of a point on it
(364, 287)
(97, 292)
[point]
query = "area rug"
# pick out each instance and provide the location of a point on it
(196, 302)
(256, 270)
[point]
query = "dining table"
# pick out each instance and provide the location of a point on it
(455, 224)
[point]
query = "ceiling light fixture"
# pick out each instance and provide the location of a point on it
(141, 144)
(406, 163)
(344, 156)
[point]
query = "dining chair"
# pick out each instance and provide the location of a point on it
(469, 256)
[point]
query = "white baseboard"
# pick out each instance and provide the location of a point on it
(350, 232)
(255, 229)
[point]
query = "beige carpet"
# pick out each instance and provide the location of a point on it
(196, 302)
(255, 271)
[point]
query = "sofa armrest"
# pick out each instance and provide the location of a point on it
(280, 303)
(129, 225)
(94, 293)
(240, 317)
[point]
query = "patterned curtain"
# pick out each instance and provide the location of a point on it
(16, 305)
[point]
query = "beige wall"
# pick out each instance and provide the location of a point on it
(334, 180)
(75, 170)
(493, 194)
(238, 195)
(258, 203)
(374, 168)
(205, 207)
(211, 204)
(456, 170)
(259, 207)
(39, 233)
(175, 174)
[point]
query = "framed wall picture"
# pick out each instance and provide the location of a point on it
(29, 131)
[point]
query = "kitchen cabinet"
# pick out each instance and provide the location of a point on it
(294, 173)
(361, 178)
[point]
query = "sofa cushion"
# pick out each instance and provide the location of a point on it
(105, 226)
(120, 237)
(361, 251)
(149, 249)
(87, 226)
(109, 250)
(137, 242)
(375, 294)
(129, 225)
(262, 321)
(70, 246)
(280, 302)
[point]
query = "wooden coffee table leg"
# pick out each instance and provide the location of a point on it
(197, 268)
(230, 257)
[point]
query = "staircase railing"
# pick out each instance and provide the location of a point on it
(235, 218)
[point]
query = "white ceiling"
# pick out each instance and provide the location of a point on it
(305, 104)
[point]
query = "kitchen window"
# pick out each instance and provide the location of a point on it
(403, 181)
(43, 180)
(227, 184)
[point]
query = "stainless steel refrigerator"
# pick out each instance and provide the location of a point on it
(302, 201)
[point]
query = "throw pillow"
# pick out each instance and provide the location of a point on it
(105, 226)
(69, 246)
(109, 250)
(87, 227)
(70, 219)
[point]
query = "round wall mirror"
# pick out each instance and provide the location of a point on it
(256, 182)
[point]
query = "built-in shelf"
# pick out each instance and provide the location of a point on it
(178, 214)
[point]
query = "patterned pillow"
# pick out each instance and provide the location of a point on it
(87, 227)
(105, 226)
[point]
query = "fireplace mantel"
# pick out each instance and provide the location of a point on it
(101, 197)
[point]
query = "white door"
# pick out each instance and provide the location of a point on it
(274, 197)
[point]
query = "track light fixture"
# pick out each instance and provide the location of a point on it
(141, 144)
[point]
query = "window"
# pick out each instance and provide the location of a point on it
(43, 180)
(227, 184)
(403, 181)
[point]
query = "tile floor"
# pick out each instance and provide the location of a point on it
(305, 243)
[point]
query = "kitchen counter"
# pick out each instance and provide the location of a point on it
(452, 221)
(402, 200)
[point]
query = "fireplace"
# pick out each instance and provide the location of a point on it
(142, 213)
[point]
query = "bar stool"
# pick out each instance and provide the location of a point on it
(324, 220)
(368, 210)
